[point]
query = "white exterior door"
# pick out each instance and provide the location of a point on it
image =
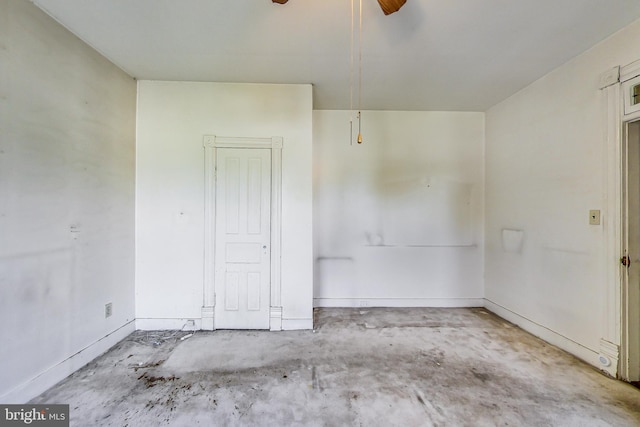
(242, 238)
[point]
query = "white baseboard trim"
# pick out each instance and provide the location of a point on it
(275, 318)
(588, 355)
(609, 357)
(208, 316)
(179, 324)
(175, 324)
(52, 376)
(398, 302)
(296, 324)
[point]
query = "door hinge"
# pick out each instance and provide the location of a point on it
(626, 261)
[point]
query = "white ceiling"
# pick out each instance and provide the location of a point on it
(464, 55)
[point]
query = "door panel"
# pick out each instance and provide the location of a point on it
(633, 247)
(254, 199)
(242, 238)
(231, 291)
(231, 178)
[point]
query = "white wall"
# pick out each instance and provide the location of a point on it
(545, 168)
(67, 149)
(398, 220)
(173, 118)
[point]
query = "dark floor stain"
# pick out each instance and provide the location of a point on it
(151, 381)
(481, 376)
(315, 379)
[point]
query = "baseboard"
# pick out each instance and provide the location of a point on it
(52, 376)
(588, 355)
(296, 324)
(275, 318)
(170, 324)
(208, 316)
(181, 323)
(609, 357)
(398, 302)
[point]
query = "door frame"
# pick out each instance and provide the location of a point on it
(614, 348)
(630, 319)
(211, 144)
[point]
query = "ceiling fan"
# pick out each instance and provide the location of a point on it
(388, 6)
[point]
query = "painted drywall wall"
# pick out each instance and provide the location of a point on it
(67, 147)
(173, 118)
(545, 169)
(398, 220)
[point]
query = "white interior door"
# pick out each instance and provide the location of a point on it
(632, 291)
(242, 238)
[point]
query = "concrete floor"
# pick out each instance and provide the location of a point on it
(409, 367)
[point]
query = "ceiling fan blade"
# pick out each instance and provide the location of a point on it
(390, 6)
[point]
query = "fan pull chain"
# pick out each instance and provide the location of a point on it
(360, 79)
(351, 75)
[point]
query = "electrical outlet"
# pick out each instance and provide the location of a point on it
(594, 217)
(108, 309)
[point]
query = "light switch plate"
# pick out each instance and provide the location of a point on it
(594, 217)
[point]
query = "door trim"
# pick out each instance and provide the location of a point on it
(624, 117)
(211, 143)
(614, 343)
(630, 321)
(609, 351)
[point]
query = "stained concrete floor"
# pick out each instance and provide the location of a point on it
(374, 367)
